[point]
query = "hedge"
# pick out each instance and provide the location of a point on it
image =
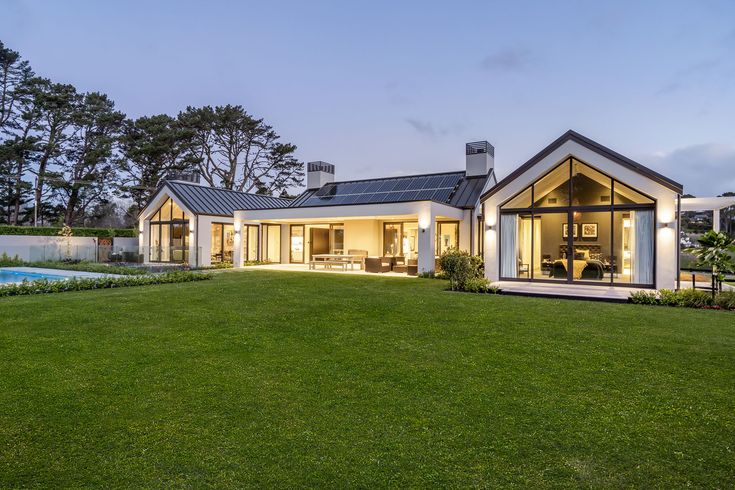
(43, 286)
(80, 232)
(687, 298)
(121, 270)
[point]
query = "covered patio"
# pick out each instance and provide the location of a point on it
(387, 238)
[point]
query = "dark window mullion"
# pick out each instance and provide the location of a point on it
(570, 229)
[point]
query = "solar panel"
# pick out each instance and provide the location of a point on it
(420, 188)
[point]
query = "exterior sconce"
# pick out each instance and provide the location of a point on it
(423, 230)
(665, 225)
(489, 227)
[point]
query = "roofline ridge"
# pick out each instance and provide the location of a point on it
(166, 181)
(398, 177)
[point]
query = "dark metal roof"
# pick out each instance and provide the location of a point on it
(201, 199)
(451, 188)
(594, 146)
(468, 192)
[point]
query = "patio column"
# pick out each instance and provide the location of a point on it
(427, 238)
(716, 219)
(194, 259)
(237, 245)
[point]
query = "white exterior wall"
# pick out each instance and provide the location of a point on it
(666, 240)
(364, 235)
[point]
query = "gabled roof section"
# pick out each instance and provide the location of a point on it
(451, 188)
(213, 201)
(594, 146)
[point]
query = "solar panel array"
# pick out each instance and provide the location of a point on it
(437, 188)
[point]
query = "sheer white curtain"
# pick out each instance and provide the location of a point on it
(642, 245)
(509, 245)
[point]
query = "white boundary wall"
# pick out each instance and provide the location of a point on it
(31, 248)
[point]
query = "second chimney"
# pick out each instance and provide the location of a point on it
(318, 173)
(480, 158)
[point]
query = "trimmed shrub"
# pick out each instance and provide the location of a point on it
(693, 298)
(77, 232)
(460, 267)
(480, 285)
(643, 298)
(726, 300)
(43, 286)
(90, 267)
(668, 297)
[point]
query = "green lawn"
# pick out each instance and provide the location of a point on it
(293, 379)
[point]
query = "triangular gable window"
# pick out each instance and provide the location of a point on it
(574, 183)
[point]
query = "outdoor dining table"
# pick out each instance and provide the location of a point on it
(328, 259)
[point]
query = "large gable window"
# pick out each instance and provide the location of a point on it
(577, 224)
(169, 234)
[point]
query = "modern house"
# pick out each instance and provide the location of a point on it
(576, 214)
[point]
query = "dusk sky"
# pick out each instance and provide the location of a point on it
(389, 88)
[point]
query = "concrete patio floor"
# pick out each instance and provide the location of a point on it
(322, 270)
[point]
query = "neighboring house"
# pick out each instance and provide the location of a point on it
(576, 213)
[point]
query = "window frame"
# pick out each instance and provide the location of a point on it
(612, 208)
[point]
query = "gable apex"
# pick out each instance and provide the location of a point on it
(591, 145)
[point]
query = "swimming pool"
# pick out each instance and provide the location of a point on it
(8, 276)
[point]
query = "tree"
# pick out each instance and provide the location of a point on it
(151, 147)
(14, 72)
(715, 250)
(87, 166)
(25, 127)
(57, 103)
(236, 151)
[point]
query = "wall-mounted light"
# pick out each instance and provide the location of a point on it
(489, 227)
(665, 225)
(423, 230)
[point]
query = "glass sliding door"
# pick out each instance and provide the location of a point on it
(410, 240)
(392, 239)
(337, 239)
(216, 241)
(272, 243)
(592, 246)
(250, 245)
(222, 242)
(634, 247)
(447, 236)
(296, 245)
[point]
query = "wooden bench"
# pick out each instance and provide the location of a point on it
(328, 264)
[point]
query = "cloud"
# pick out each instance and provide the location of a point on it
(508, 60)
(428, 129)
(704, 170)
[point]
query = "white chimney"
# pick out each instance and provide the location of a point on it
(480, 158)
(318, 173)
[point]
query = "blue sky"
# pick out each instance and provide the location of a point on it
(388, 88)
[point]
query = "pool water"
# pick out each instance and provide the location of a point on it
(7, 276)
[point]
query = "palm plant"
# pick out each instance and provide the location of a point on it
(715, 251)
